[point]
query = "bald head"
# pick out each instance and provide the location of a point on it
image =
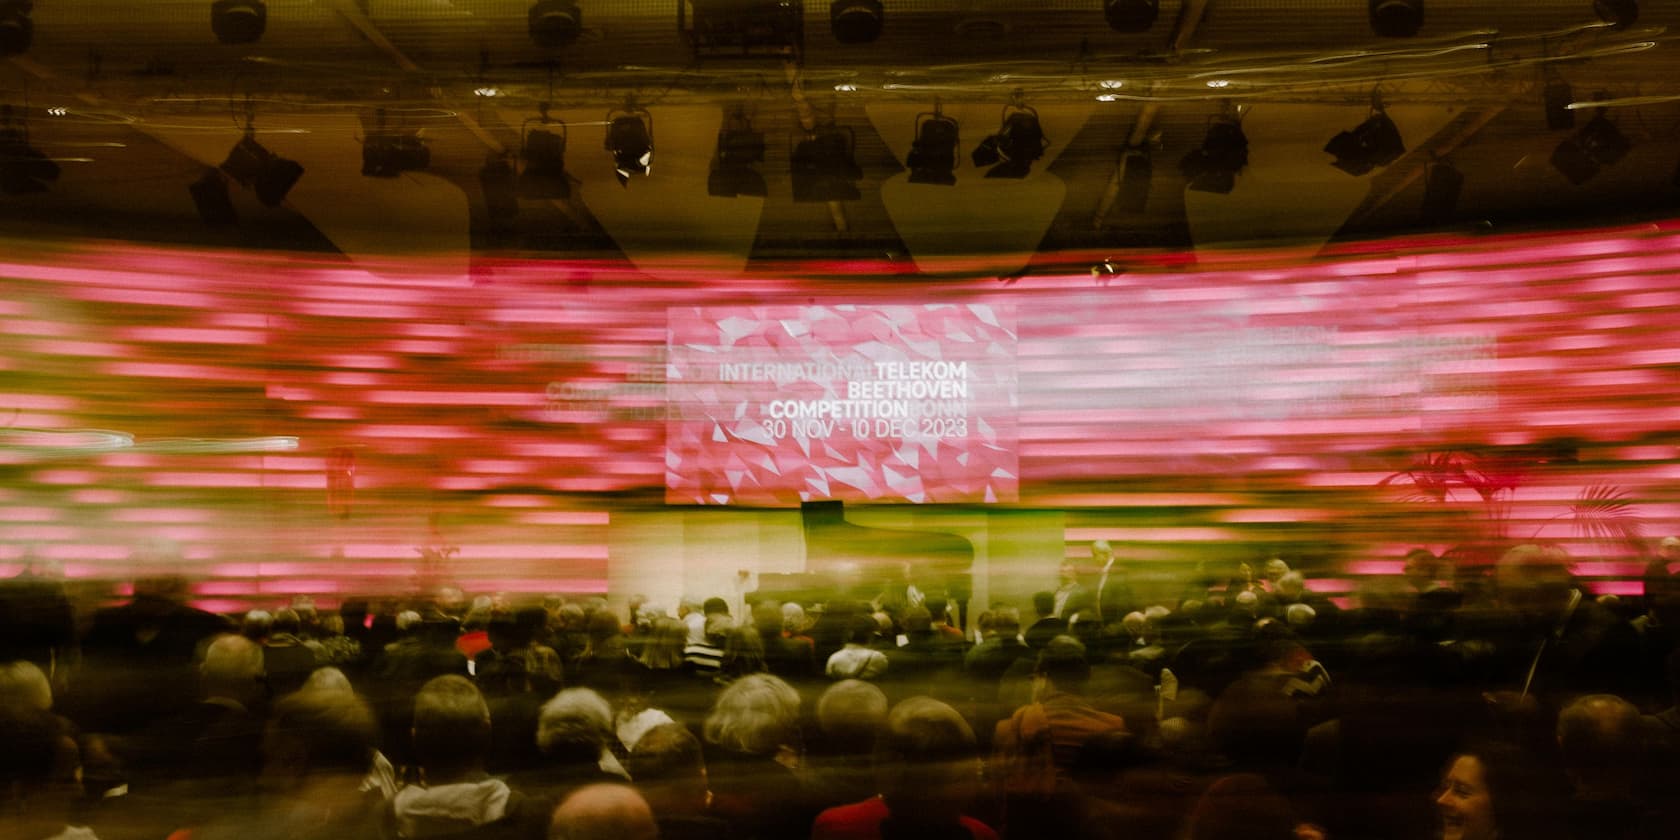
(603, 812)
(232, 669)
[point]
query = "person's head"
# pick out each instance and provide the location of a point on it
(1062, 666)
(574, 726)
(451, 728)
(1067, 573)
(743, 652)
(603, 626)
(408, 622)
(1006, 622)
(767, 618)
(603, 812)
(37, 770)
(1044, 603)
(1419, 567)
(1534, 581)
(24, 685)
(757, 714)
(318, 733)
(233, 669)
(1291, 586)
(860, 630)
(670, 770)
(1241, 806)
(1300, 616)
(1600, 739)
(286, 622)
(926, 763)
(850, 713)
(1101, 553)
(793, 618)
(328, 678)
(450, 600)
(664, 647)
(917, 620)
(256, 625)
(715, 606)
(1669, 549)
(1491, 790)
(1276, 568)
(718, 626)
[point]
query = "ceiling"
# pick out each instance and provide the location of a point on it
(136, 100)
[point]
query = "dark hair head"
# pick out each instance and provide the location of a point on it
(286, 621)
(1525, 791)
(31, 737)
(860, 630)
(1600, 734)
(451, 726)
(333, 731)
(1044, 603)
(1063, 663)
(715, 605)
(917, 620)
(666, 753)
(926, 762)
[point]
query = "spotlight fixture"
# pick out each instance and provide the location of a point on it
(238, 21)
(1396, 18)
(825, 167)
(933, 154)
(210, 195)
(1442, 183)
(554, 23)
(1373, 143)
(1018, 142)
(739, 147)
(1224, 153)
(388, 152)
(262, 171)
(23, 168)
(1131, 15)
(543, 152)
(856, 21)
(630, 141)
(17, 29)
(1618, 13)
(743, 28)
(1598, 144)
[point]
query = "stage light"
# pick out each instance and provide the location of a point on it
(388, 152)
(1396, 18)
(824, 166)
(739, 147)
(1223, 154)
(630, 141)
(210, 195)
(543, 153)
(1618, 13)
(238, 21)
(1131, 15)
(1598, 144)
(744, 28)
(1018, 142)
(262, 171)
(17, 29)
(933, 154)
(23, 168)
(1373, 143)
(856, 21)
(1442, 184)
(554, 23)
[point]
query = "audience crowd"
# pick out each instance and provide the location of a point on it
(1466, 703)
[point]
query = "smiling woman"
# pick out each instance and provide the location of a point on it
(1495, 791)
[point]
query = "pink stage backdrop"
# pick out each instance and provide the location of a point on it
(776, 405)
(312, 425)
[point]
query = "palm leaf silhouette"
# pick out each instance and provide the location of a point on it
(1604, 512)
